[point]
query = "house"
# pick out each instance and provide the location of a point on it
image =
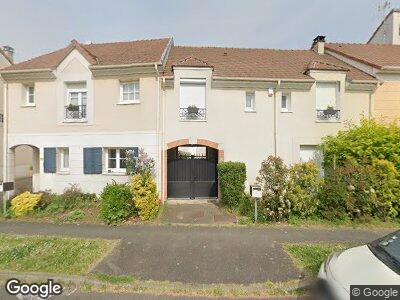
(23, 161)
(188, 107)
(379, 57)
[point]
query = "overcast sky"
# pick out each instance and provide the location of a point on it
(40, 26)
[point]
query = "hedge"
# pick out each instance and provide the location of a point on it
(232, 178)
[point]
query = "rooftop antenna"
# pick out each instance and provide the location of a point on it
(383, 9)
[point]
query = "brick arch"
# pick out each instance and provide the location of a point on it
(182, 142)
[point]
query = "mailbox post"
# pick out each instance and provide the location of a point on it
(255, 193)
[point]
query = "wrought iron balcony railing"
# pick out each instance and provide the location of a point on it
(75, 112)
(192, 113)
(328, 115)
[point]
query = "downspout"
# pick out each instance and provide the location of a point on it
(5, 143)
(158, 125)
(276, 123)
(164, 191)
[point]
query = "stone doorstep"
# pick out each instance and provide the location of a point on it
(191, 201)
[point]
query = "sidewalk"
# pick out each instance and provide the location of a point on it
(197, 254)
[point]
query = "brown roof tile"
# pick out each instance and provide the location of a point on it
(259, 63)
(119, 53)
(191, 61)
(375, 55)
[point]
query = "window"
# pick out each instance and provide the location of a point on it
(327, 101)
(312, 153)
(116, 160)
(192, 99)
(250, 101)
(286, 103)
(76, 104)
(64, 159)
(130, 92)
(30, 95)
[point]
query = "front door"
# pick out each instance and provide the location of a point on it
(192, 172)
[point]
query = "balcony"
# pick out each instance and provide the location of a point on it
(192, 113)
(328, 115)
(75, 113)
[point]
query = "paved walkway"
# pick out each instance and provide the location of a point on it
(195, 213)
(197, 254)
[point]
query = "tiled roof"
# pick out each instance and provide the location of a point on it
(260, 63)
(375, 55)
(119, 53)
(327, 66)
(192, 62)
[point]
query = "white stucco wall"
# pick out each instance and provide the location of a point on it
(249, 136)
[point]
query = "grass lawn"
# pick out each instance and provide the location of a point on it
(310, 256)
(72, 256)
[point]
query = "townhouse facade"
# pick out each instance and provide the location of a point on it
(379, 57)
(189, 108)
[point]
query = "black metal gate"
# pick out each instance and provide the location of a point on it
(192, 175)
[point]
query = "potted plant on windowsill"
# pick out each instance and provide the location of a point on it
(329, 111)
(72, 107)
(192, 112)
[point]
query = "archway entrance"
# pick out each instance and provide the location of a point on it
(192, 172)
(23, 165)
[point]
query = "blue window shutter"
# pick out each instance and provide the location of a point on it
(135, 151)
(92, 160)
(50, 163)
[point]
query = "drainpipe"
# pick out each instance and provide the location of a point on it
(158, 125)
(164, 192)
(276, 122)
(5, 143)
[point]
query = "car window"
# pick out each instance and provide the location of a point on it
(387, 249)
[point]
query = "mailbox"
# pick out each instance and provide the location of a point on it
(6, 186)
(255, 191)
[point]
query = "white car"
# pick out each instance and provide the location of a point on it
(377, 263)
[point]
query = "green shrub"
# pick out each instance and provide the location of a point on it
(246, 206)
(75, 216)
(55, 204)
(232, 178)
(116, 203)
(145, 196)
(368, 141)
(361, 191)
(273, 179)
(75, 198)
(303, 188)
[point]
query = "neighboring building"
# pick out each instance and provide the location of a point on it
(79, 108)
(388, 32)
(382, 62)
(23, 154)
(188, 107)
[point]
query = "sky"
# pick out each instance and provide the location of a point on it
(36, 27)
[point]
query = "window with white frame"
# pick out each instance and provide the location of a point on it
(116, 160)
(129, 92)
(30, 95)
(64, 159)
(250, 101)
(286, 102)
(76, 104)
(327, 101)
(312, 153)
(192, 99)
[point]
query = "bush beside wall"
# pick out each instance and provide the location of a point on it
(232, 179)
(116, 205)
(145, 196)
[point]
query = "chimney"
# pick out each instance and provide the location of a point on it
(9, 52)
(319, 44)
